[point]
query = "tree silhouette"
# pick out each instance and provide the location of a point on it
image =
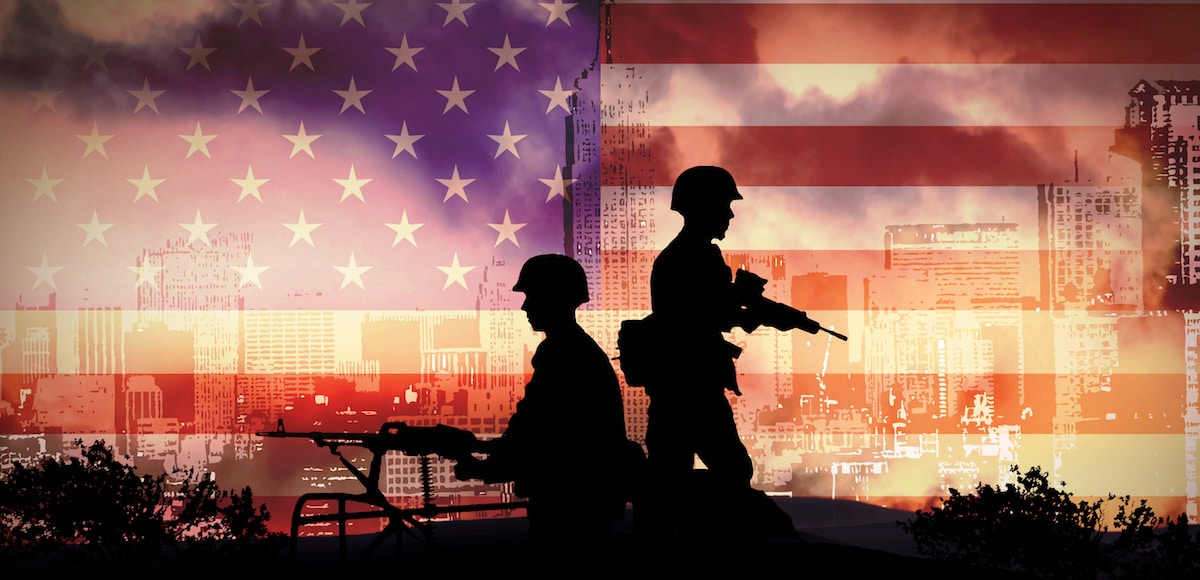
(1035, 528)
(95, 508)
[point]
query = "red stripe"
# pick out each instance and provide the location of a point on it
(904, 33)
(1141, 400)
(851, 156)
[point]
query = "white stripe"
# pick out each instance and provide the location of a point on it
(820, 218)
(875, 94)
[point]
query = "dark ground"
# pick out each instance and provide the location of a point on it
(837, 538)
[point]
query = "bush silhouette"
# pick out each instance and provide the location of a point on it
(1039, 530)
(94, 508)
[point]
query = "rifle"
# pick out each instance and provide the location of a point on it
(774, 314)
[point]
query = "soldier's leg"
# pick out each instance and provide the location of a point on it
(719, 445)
(669, 459)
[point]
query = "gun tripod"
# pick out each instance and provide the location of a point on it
(417, 522)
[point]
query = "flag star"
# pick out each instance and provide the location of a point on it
(558, 96)
(558, 185)
(404, 141)
(95, 142)
(404, 230)
(455, 186)
(506, 142)
(250, 10)
(44, 97)
(250, 96)
(44, 272)
(249, 185)
(506, 231)
(145, 96)
(455, 97)
(302, 230)
(404, 54)
(302, 141)
(454, 273)
(95, 56)
(146, 185)
(352, 97)
(198, 230)
(146, 274)
(95, 230)
(198, 141)
(352, 272)
(250, 272)
(507, 55)
(455, 10)
(302, 54)
(558, 11)
(352, 9)
(352, 185)
(197, 54)
(45, 186)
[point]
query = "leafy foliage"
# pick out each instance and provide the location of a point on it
(1040, 530)
(74, 510)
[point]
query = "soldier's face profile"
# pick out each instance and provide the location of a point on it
(542, 311)
(717, 220)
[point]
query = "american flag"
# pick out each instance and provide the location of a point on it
(219, 214)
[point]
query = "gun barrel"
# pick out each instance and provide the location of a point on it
(836, 334)
(446, 441)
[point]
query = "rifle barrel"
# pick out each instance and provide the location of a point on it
(834, 333)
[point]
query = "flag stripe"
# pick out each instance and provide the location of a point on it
(847, 156)
(910, 33)
(876, 94)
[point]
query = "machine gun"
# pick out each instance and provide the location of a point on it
(441, 440)
(774, 314)
(420, 441)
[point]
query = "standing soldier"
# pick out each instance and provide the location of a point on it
(693, 302)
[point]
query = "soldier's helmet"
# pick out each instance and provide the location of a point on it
(555, 277)
(703, 186)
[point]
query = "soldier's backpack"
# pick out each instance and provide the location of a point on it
(637, 342)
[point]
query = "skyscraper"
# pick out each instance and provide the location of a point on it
(1161, 134)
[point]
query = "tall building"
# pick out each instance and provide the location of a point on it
(580, 181)
(142, 407)
(283, 352)
(98, 341)
(197, 291)
(1090, 236)
(503, 331)
(627, 208)
(1191, 416)
(1161, 133)
(932, 317)
(31, 353)
(1085, 348)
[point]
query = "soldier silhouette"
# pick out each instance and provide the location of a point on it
(565, 448)
(694, 301)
